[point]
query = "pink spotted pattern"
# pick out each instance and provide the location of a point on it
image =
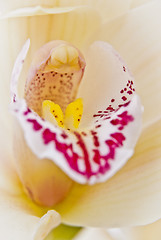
(88, 164)
(125, 94)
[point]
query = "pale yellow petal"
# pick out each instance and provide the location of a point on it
(121, 233)
(138, 3)
(37, 10)
(18, 220)
(42, 180)
(107, 8)
(148, 232)
(110, 9)
(20, 217)
(74, 26)
(131, 197)
(137, 38)
(92, 234)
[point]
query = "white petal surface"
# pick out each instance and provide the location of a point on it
(107, 81)
(148, 232)
(37, 10)
(107, 8)
(138, 3)
(63, 25)
(19, 218)
(131, 197)
(93, 234)
(18, 221)
(137, 38)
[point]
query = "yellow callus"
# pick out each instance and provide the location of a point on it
(70, 120)
(52, 113)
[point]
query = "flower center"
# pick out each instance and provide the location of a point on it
(70, 120)
(53, 82)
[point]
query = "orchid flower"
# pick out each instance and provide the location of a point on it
(74, 160)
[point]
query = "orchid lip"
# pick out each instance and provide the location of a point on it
(90, 154)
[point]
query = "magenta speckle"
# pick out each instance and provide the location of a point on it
(14, 98)
(27, 112)
(115, 121)
(119, 137)
(122, 120)
(65, 136)
(36, 125)
(129, 92)
(124, 98)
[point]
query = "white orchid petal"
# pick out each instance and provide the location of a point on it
(23, 224)
(42, 180)
(138, 3)
(92, 233)
(17, 70)
(49, 221)
(53, 26)
(148, 232)
(107, 8)
(37, 10)
(17, 211)
(107, 81)
(89, 155)
(131, 197)
(110, 9)
(136, 37)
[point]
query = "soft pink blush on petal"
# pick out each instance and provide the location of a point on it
(92, 154)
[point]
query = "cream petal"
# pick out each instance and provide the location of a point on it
(137, 39)
(63, 26)
(92, 233)
(42, 180)
(107, 81)
(107, 9)
(138, 3)
(110, 9)
(131, 197)
(17, 220)
(121, 233)
(5, 70)
(18, 214)
(148, 232)
(37, 10)
(49, 221)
